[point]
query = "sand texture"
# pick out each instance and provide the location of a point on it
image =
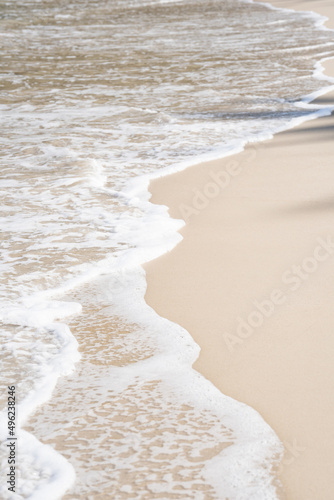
(253, 282)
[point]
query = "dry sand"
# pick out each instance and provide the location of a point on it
(241, 248)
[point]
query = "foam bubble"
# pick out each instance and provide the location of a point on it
(83, 136)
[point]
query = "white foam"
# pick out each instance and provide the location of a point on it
(255, 441)
(90, 203)
(43, 471)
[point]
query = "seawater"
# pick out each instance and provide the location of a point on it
(98, 97)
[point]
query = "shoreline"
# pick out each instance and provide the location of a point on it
(213, 278)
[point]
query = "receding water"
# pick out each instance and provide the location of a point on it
(93, 95)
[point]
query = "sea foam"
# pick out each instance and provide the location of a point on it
(117, 97)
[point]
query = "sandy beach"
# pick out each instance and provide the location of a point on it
(252, 281)
(97, 101)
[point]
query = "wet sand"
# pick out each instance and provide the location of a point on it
(252, 281)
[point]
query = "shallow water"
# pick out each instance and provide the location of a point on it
(93, 95)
